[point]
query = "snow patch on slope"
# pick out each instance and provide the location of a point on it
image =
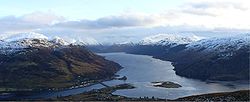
(18, 42)
(168, 39)
(28, 35)
(85, 41)
(60, 41)
(226, 44)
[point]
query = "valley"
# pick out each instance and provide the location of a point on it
(153, 70)
(125, 50)
(157, 69)
(218, 59)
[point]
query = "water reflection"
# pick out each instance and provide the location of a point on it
(141, 70)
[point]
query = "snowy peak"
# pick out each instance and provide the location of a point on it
(25, 43)
(59, 41)
(78, 42)
(31, 39)
(226, 44)
(168, 39)
(85, 41)
(32, 43)
(22, 36)
(21, 41)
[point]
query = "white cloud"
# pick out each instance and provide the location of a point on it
(192, 16)
(44, 18)
(120, 21)
(206, 13)
(214, 14)
(28, 22)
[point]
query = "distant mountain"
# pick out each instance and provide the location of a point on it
(153, 45)
(32, 61)
(221, 45)
(225, 58)
(21, 36)
(215, 59)
(168, 40)
(29, 40)
(33, 35)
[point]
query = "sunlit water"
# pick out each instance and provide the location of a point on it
(141, 70)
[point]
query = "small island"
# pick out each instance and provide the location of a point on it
(166, 84)
(124, 78)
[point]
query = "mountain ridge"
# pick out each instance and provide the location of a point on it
(168, 39)
(224, 58)
(39, 63)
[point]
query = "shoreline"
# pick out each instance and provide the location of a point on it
(105, 94)
(30, 92)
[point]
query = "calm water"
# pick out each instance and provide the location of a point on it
(141, 70)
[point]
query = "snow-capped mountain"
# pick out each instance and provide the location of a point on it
(34, 60)
(224, 58)
(28, 35)
(225, 44)
(13, 46)
(220, 59)
(85, 42)
(60, 41)
(168, 40)
(21, 41)
(24, 40)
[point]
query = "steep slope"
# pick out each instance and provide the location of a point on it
(215, 59)
(219, 45)
(38, 63)
(225, 58)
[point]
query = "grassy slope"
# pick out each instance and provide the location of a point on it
(53, 68)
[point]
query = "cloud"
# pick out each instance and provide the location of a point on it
(193, 16)
(213, 7)
(213, 14)
(28, 22)
(43, 18)
(110, 22)
(206, 13)
(205, 4)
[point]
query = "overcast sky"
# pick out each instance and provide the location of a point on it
(124, 20)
